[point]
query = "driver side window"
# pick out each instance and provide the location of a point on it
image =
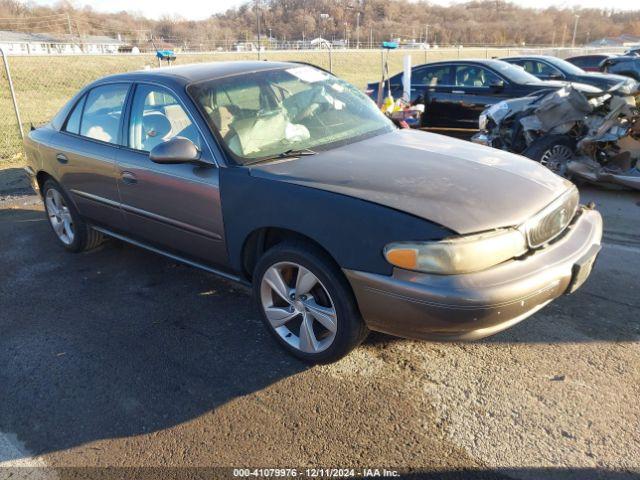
(156, 117)
(540, 69)
(474, 76)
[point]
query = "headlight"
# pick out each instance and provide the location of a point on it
(465, 254)
(472, 253)
(482, 122)
(551, 221)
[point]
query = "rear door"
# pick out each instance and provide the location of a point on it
(84, 153)
(173, 207)
(433, 84)
(476, 88)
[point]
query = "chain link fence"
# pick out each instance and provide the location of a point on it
(43, 83)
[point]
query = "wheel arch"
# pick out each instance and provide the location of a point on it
(41, 177)
(263, 238)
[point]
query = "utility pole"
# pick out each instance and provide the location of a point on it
(575, 30)
(346, 34)
(426, 34)
(564, 34)
(358, 30)
(258, 24)
(69, 24)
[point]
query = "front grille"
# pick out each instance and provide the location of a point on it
(552, 220)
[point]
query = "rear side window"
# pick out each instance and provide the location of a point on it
(102, 112)
(432, 76)
(73, 122)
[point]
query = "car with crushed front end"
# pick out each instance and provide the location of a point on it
(282, 176)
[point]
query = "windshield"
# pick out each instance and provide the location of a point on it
(514, 73)
(565, 66)
(264, 114)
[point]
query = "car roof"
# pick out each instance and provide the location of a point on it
(625, 58)
(479, 61)
(603, 55)
(540, 57)
(195, 72)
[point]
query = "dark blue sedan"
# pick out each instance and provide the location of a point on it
(546, 67)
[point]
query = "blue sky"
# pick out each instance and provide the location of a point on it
(198, 9)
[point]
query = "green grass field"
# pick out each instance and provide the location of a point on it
(44, 83)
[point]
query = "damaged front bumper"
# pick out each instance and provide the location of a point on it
(597, 174)
(476, 305)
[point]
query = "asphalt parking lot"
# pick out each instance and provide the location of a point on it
(119, 357)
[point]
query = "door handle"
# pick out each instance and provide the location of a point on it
(62, 158)
(129, 178)
(457, 91)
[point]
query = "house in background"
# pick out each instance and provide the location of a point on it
(21, 43)
(623, 40)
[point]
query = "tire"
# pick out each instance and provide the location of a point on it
(305, 310)
(552, 151)
(71, 231)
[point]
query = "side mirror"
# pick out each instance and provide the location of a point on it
(497, 84)
(555, 76)
(176, 150)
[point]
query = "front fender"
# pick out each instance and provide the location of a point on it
(353, 231)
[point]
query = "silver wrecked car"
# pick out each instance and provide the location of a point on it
(282, 176)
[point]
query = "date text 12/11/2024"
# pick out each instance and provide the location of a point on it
(315, 472)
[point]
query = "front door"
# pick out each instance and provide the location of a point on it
(476, 88)
(173, 207)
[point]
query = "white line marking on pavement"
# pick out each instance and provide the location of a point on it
(14, 455)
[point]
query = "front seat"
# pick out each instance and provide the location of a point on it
(156, 127)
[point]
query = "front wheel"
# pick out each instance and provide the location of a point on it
(552, 151)
(306, 303)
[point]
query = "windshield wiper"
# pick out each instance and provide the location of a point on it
(291, 153)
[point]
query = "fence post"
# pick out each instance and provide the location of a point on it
(330, 59)
(5, 59)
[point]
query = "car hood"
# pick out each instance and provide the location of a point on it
(465, 187)
(603, 78)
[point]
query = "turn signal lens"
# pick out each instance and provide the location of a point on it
(403, 257)
(465, 254)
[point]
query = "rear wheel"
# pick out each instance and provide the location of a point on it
(307, 304)
(72, 232)
(552, 151)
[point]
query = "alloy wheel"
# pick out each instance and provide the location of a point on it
(59, 216)
(298, 307)
(556, 158)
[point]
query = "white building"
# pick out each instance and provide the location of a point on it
(20, 43)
